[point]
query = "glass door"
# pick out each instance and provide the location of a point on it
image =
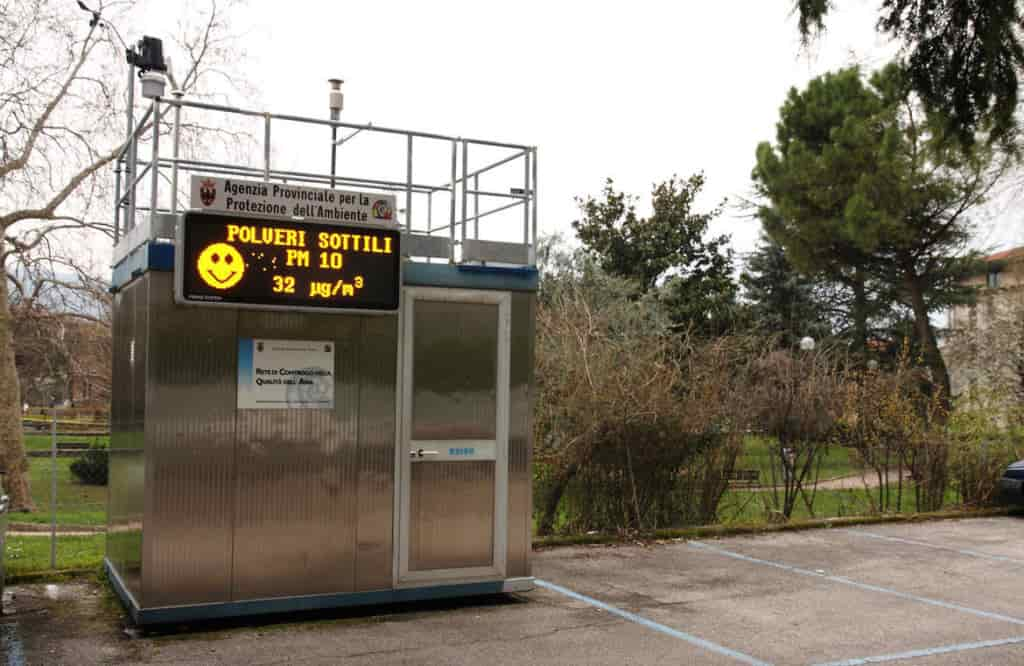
(454, 442)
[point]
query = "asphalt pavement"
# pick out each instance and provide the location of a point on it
(948, 592)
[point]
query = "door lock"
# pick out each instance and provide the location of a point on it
(419, 453)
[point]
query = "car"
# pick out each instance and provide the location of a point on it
(1011, 486)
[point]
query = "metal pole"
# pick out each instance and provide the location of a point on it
(117, 200)
(408, 184)
(533, 193)
(266, 149)
(430, 218)
(526, 201)
(129, 220)
(465, 169)
(334, 152)
(177, 138)
(476, 207)
(155, 185)
(451, 221)
(53, 489)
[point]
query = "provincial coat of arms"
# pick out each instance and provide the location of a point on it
(208, 192)
(382, 210)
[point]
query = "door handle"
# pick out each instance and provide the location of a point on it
(419, 453)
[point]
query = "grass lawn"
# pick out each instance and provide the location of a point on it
(77, 503)
(746, 506)
(41, 441)
(24, 555)
(757, 455)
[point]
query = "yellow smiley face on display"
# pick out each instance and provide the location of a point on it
(220, 265)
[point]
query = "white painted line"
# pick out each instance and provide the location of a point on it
(929, 652)
(632, 617)
(914, 542)
(861, 586)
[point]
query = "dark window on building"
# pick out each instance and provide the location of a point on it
(993, 279)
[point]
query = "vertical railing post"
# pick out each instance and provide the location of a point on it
(133, 146)
(266, 149)
(533, 193)
(117, 200)
(430, 218)
(53, 488)
(465, 178)
(526, 198)
(177, 94)
(476, 207)
(451, 221)
(408, 184)
(155, 165)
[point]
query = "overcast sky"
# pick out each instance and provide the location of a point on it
(636, 91)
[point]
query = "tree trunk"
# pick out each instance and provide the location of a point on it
(926, 338)
(860, 315)
(13, 462)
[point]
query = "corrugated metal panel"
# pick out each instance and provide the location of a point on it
(455, 370)
(190, 446)
(520, 435)
(451, 515)
(127, 461)
(296, 493)
(377, 360)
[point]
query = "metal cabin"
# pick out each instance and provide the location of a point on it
(401, 470)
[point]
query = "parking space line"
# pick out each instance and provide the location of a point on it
(914, 542)
(862, 586)
(928, 652)
(650, 624)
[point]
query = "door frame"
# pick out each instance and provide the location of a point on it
(402, 576)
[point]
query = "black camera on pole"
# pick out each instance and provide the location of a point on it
(148, 55)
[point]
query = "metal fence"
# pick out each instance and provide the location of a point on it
(67, 452)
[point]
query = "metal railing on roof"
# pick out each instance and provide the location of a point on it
(512, 176)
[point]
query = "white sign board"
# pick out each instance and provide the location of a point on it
(230, 196)
(285, 374)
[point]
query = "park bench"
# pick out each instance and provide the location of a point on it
(745, 478)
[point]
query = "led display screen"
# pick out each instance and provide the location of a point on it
(252, 262)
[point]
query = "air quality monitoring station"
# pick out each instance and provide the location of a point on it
(323, 363)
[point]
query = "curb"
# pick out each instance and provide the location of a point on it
(52, 576)
(719, 531)
(44, 529)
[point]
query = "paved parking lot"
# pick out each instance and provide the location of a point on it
(930, 593)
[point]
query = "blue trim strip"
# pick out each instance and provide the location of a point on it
(216, 611)
(928, 652)
(470, 277)
(860, 586)
(122, 591)
(675, 633)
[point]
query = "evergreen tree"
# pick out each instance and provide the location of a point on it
(862, 182)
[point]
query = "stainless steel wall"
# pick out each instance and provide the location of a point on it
(266, 503)
(378, 358)
(190, 423)
(297, 474)
(251, 503)
(520, 435)
(127, 454)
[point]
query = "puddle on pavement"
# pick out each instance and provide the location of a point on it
(10, 644)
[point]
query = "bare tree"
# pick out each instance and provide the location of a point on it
(62, 104)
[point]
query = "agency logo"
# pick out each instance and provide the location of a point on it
(220, 265)
(382, 210)
(208, 192)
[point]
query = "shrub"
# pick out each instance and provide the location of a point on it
(92, 466)
(635, 426)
